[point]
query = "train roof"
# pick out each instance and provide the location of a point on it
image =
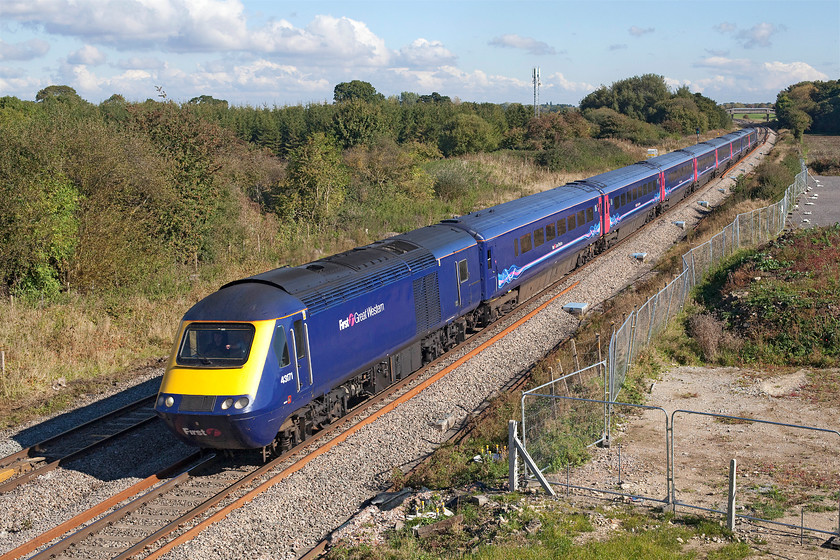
(671, 158)
(244, 302)
(498, 220)
(699, 149)
(441, 239)
(619, 178)
(332, 280)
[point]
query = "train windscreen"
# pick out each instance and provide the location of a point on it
(215, 345)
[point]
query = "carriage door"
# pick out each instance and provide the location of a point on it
(301, 359)
(462, 274)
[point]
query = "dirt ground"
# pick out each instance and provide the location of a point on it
(785, 473)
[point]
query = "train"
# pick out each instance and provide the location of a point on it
(266, 361)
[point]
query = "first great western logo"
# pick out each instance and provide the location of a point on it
(357, 317)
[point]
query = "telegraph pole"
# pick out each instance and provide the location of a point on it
(536, 77)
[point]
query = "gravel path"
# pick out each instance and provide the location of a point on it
(295, 514)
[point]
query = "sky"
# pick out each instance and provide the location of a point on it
(263, 53)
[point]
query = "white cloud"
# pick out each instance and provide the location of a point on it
(425, 54)
(639, 31)
(725, 27)
(325, 39)
(759, 35)
(740, 65)
(528, 44)
(779, 75)
(27, 50)
(749, 77)
(86, 55)
(139, 62)
(559, 81)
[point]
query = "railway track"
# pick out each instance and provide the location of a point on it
(149, 523)
(41, 458)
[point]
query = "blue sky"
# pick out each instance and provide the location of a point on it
(263, 53)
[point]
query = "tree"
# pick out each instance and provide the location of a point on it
(467, 133)
(409, 98)
(317, 180)
(357, 89)
(435, 97)
(358, 122)
(38, 205)
(635, 97)
(207, 100)
(58, 93)
(386, 169)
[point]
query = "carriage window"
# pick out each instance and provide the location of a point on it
(580, 218)
(539, 237)
(615, 203)
(515, 247)
(623, 199)
(281, 346)
(561, 226)
(590, 214)
(572, 222)
(635, 194)
(525, 243)
(550, 232)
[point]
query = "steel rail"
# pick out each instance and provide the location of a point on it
(18, 467)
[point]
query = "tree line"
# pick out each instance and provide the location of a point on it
(101, 196)
(810, 107)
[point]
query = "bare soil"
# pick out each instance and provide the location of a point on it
(789, 474)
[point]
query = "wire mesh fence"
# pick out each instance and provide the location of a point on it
(748, 230)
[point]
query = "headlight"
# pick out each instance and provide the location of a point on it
(169, 401)
(241, 403)
(227, 403)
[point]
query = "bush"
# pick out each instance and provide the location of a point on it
(583, 154)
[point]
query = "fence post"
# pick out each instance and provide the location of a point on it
(575, 356)
(652, 317)
(513, 458)
(730, 503)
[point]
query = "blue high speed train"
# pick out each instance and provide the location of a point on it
(266, 360)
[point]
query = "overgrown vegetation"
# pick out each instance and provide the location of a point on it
(779, 304)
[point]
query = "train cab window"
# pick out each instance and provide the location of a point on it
(590, 214)
(525, 243)
(561, 226)
(550, 232)
(580, 218)
(215, 345)
(299, 344)
(539, 237)
(281, 346)
(463, 271)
